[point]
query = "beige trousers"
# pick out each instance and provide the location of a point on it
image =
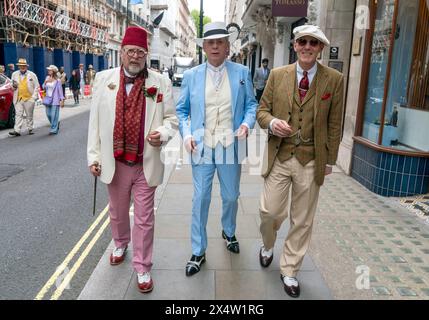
(274, 210)
(20, 108)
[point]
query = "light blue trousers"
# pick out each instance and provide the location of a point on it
(53, 114)
(229, 177)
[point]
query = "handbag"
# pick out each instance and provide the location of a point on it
(47, 100)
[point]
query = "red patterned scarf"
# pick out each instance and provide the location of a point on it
(128, 119)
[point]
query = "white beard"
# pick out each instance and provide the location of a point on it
(134, 70)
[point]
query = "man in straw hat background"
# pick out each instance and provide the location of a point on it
(218, 98)
(132, 116)
(302, 109)
(26, 91)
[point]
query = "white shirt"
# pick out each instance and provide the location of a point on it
(50, 86)
(300, 73)
(216, 73)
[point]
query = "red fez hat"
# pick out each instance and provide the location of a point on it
(135, 36)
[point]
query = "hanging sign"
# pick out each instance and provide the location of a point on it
(289, 8)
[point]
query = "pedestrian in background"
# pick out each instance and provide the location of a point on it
(2, 69)
(63, 78)
(54, 98)
(260, 79)
(74, 85)
(26, 92)
(10, 70)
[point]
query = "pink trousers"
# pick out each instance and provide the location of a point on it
(129, 181)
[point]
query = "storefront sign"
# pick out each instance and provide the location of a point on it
(333, 53)
(337, 65)
(290, 8)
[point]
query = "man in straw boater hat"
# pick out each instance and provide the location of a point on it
(26, 92)
(132, 116)
(218, 98)
(302, 109)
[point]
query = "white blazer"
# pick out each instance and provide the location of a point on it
(160, 117)
(32, 84)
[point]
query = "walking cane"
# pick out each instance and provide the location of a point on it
(95, 195)
(95, 189)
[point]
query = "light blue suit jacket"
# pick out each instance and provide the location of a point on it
(190, 108)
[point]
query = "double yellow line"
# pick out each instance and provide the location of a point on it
(62, 267)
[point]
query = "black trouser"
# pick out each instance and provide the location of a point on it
(64, 90)
(259, 94)
(76, 95)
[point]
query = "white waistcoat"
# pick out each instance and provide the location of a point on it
(218, 126)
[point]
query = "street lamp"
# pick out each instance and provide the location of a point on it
(200, 50)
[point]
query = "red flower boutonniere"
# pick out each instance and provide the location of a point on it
(326, 96)
(159, 98)
(150, 92)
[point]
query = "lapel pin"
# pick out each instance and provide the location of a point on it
(111, 86)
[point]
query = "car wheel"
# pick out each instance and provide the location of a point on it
(11, 119)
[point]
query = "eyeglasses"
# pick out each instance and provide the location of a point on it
(303, 42)
(140, 53)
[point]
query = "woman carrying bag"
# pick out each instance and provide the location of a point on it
(54, 98)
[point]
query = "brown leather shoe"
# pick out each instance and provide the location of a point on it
(292, 291)
(116, 259)
(265, 261)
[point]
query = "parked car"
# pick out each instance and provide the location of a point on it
(7, 110)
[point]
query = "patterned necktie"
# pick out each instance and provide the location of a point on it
(304, 85)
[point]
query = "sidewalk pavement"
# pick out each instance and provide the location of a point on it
(364, 247)
(40, 119)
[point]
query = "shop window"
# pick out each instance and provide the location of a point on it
(406, 117)
(378, 69)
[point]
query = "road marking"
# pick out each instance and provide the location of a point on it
(79, 261)
(70, 256)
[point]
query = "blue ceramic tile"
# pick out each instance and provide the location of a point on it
(390, 182)
(405, 181)
(412, 184)
(394, 163)
(422, 166)
(407, 164)
(414, 165)
(401, 163)
(398, 182)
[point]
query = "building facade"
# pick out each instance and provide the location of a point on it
(162, 43)
(385, 144)
(185, 35)
(66, 32)
(119, 16)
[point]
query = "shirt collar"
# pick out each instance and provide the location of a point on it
(213, 68)
(312, 71)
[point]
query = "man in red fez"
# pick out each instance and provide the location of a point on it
(132, 116)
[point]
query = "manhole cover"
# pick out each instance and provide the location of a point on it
(9, 170)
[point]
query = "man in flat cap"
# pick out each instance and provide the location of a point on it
(302, 109)
(217, 97)
(132, 116)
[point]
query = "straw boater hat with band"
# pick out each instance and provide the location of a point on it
(311, 31)
(22, 62)
(215, 30)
